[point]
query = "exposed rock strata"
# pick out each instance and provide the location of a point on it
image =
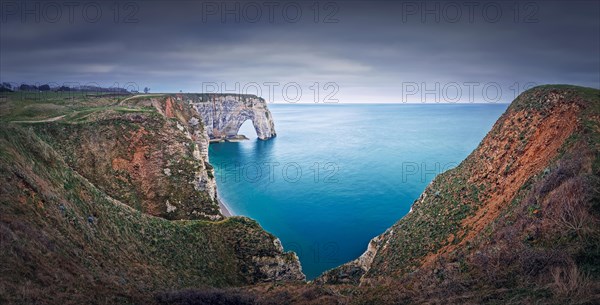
(224, 115)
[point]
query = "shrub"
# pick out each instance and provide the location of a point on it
(569, 282)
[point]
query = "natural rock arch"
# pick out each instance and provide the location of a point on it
(223, 115)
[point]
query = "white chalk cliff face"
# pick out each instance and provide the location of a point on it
(223, 115)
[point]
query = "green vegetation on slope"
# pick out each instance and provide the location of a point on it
(127, 154)
(66, 240)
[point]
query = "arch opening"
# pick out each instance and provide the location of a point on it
(247, 129)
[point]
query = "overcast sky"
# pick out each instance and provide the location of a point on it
(356, 51)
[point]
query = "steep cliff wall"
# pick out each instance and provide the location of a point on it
(224, 114)
(154, 159)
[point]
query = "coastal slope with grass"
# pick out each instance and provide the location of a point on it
(516, 221)
(110, 199)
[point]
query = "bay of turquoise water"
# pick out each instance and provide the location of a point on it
(338, 175)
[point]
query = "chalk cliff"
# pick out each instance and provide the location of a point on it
(224, 114)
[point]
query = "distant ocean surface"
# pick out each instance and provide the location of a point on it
(338, 175)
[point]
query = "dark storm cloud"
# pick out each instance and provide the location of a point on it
(369, 49)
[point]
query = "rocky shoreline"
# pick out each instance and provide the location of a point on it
(225, 210)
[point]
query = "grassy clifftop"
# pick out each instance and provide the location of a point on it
(76, 229)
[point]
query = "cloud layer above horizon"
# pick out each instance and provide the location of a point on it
(352, 51)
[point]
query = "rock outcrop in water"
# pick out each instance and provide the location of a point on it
(223, 115)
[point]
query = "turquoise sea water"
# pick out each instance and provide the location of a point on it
(338, 175)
